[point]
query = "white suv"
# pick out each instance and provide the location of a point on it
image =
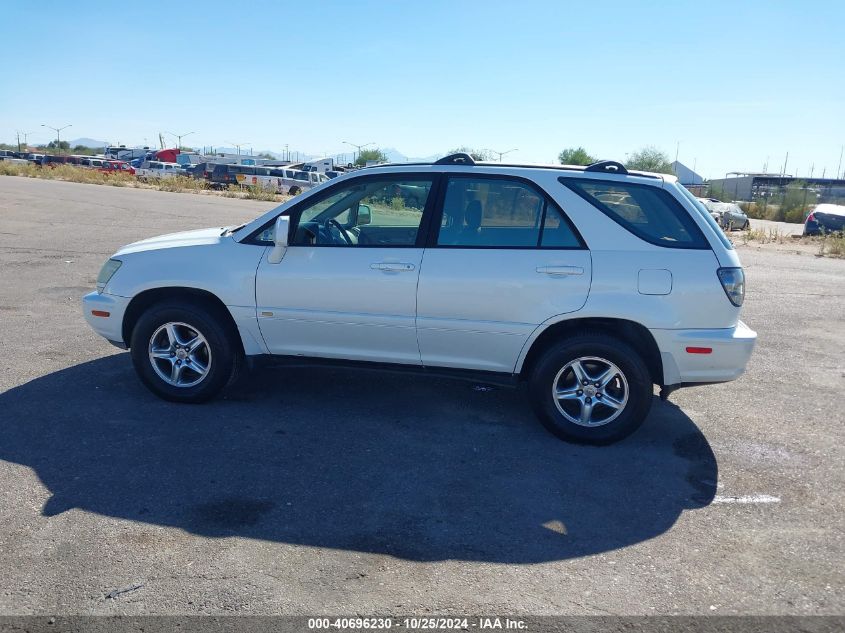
(589, 284)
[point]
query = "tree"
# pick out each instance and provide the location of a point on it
(575, 156)
(62, 146)
(266, 155)
(477, 154)
(370, 154)
(650, 159)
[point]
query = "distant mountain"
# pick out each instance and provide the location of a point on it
(87, 142)
(395, 156)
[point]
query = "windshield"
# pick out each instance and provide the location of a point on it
(707, 217)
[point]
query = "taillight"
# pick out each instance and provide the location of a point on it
(811, 218)
(733, 282)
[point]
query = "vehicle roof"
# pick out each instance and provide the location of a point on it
(826, 207)
(509, 167)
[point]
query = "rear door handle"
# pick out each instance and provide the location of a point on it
(560, 270)
(393, 266)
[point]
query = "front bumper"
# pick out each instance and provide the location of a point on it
(109, 327)
(730, 351)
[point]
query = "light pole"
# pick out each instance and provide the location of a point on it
(358, 148)
(57, 130)
(179, 138)
(237, 146)
(502, 153)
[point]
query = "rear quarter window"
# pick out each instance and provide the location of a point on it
(648, 212)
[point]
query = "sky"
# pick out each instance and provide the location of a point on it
(728, 86)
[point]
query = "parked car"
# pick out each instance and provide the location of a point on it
(825, 218)
(51, 160)
(6, 153)
(589, 284)
(116, 166)
(278, 179)
(93, 162)
(157, 169)
(728, 214)
(14, 160)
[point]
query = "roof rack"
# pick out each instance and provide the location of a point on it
(608, 166)
(461, 158)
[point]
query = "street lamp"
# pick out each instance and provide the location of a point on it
(179, 138)
(238, 146)
(57, 130)
(357, 147)
(503, 153)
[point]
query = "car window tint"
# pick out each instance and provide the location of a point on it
(557, 233)
(648, 212)
(500, 213)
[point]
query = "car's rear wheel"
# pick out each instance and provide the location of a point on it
(591, 388)
(184, 352)
(294, 191)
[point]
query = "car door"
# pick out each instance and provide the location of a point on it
(503, 259)
(346, 286)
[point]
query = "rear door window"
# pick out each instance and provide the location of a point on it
(501, 213)
(648, 212)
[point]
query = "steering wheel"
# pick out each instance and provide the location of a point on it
(331, 222)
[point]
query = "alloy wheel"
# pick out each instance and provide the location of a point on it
(180, 354)
(590, 391)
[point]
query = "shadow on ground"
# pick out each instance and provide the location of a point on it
(418, 468)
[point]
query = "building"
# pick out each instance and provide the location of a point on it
(686, 176)
(748, 186)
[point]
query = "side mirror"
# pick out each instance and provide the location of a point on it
(365, 214)
(280, 240)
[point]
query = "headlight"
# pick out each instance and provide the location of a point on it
(107, 272)
(733, 281)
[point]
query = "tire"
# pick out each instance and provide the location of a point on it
(595, 353)
(293, 191)
(219, 351)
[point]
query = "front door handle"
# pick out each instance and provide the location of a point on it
(560, 270)
(393, 266)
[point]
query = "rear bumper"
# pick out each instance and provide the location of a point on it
(109, 327)
(683, 362)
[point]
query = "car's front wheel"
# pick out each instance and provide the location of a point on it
(591, 388)
(184, 352)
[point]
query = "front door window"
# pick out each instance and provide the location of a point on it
(371, 213)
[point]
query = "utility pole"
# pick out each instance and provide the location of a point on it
(502, 153)
(677, 151)
(358, 148)
(24, 134)
(839, 167)
(179, 138)
(58, 131)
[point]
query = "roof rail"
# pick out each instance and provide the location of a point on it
(461, 158)
(608, 166)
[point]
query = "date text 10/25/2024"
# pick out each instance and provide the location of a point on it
(417, 623)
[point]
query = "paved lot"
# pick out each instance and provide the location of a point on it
(339, 492)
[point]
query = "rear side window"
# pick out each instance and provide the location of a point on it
(648, 212)
(501, 213)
